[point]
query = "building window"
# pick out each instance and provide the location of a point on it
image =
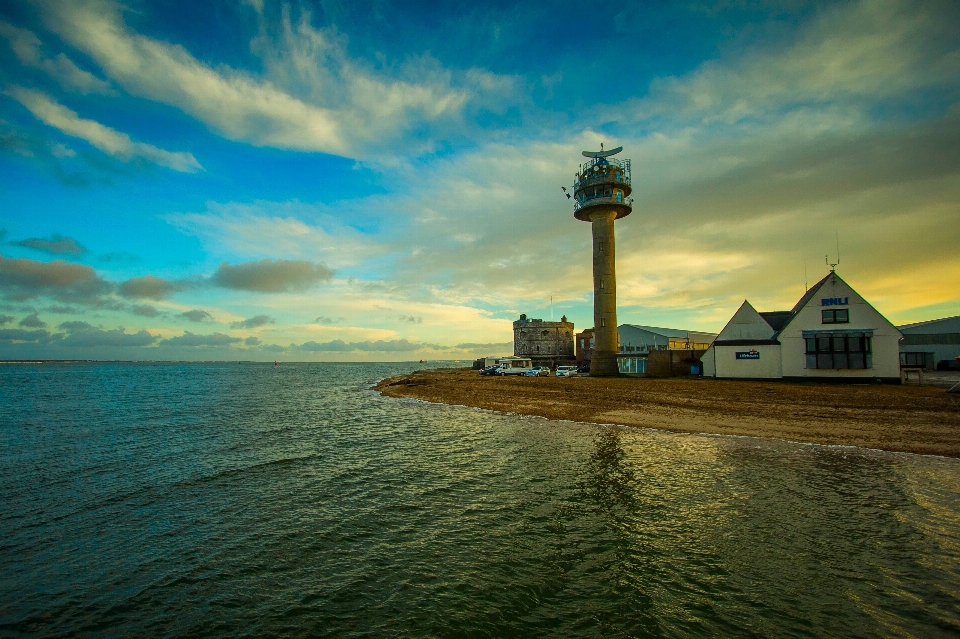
(839, 351)
(603, 322)
(835, 316)
(600, 247)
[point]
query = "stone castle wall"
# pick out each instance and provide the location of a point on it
(537, 338)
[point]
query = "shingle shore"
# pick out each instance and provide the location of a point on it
(895, 418)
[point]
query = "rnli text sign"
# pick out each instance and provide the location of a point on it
(748, 355)
(834, 301)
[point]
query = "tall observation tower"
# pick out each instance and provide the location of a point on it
(601, 195)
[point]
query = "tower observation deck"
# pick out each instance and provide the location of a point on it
(601, 192)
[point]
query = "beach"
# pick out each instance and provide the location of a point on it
(914, 419)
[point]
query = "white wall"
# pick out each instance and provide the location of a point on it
(724, 362)
(886, 337)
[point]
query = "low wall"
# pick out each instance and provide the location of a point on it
(672, 363)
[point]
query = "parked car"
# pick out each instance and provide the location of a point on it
(490, 370)
(584, 369)
(538, 371)
(566, 371)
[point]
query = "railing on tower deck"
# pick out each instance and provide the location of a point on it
(598, 170)
(601, 199)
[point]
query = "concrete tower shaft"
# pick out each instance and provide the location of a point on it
(601, 190)
(605, 344)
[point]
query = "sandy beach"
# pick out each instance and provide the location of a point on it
(913, 419)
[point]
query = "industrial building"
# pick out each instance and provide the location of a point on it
(642, 350)
(651, 350)
(831, 334)
(932, 345)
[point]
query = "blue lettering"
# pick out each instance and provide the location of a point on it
(835, 301)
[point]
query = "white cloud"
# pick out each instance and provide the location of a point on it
(29, 51)
(857, 53)
(277, 229)
(104, 138)
(315, 99)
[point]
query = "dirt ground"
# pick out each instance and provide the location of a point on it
(897, 418)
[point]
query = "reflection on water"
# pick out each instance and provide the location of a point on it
(216, 500)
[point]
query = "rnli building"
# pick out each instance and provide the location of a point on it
(832, 334)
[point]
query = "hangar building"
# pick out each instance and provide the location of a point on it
(933, 344)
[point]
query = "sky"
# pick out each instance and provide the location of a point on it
(380, 181)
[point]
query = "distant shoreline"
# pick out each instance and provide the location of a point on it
(911, 419)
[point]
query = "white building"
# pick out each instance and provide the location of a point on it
(831, 334)
(931, 344)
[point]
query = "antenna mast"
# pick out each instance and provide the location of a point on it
(826, 258)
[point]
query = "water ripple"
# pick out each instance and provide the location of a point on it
(222, 499)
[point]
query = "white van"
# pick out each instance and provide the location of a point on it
(515, 365)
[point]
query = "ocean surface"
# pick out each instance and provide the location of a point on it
(226, 499)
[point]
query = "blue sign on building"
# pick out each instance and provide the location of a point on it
(835, 301)
(748, 355)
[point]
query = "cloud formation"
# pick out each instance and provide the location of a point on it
(29, 51)
(316, 99)
(381, 346)
(85, 335)
(112, 142)
(271, 276)
(192, 340)
(11, 335)
(254, 322)
(32, 321)
(57, 245)
(145, 310)
(150, 287)
(491, 347)
(22, 279)
(196, 315)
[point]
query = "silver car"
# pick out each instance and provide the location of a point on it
(566, 371)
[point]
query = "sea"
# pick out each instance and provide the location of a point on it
(247, 499)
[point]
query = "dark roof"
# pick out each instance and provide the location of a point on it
(777, 319)
(745, 342)
(813, 291)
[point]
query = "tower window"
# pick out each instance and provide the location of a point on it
(603, 322)
(600, 247)
(601, 284)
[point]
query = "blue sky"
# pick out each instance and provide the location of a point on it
(380, 180)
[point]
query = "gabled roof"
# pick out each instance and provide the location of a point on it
(809, 295)
(746, 326)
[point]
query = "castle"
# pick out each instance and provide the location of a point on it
(546, 343)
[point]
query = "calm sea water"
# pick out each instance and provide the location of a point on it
(246, 499)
